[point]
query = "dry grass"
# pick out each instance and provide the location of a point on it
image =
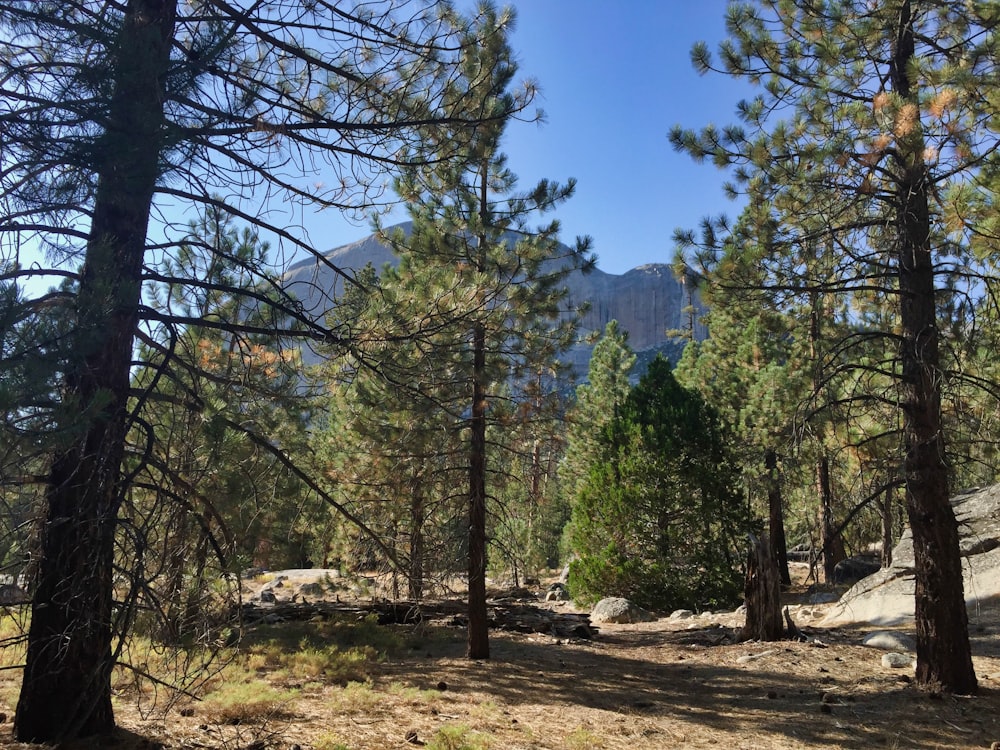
(358, 686)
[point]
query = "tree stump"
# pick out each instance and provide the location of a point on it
(763, 594)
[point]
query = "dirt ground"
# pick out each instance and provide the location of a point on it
(664, 684)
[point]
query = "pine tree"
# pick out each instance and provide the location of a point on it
(747, 370)
(207, 496)
(775, 364)
(884, 110)
(137, 107)
(482, 292)
(656, 517)
(388, 443)
(598, 402)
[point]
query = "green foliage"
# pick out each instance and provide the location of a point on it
(33, 351)
(206, 494)
(857, 158)
(526, 528)
(598, 402)
(807, 280)
(452, 389)
(759, 368)
(825, 156)
(656, 518)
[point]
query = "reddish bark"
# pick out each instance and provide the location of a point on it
(944, 656)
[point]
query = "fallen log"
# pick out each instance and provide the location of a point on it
(511, 616)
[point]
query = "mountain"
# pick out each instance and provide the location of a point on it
(647, 301)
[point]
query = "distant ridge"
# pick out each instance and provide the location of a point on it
(647, 301)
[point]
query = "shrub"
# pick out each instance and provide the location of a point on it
(656, 518)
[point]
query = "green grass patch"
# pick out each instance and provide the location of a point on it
(356, 697)
(458, 737)
(367, 633)
(252, 702)
(582, 738)
(328, 651)
(413, 696)
(329, 742)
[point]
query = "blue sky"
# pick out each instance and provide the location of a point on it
(614, 79)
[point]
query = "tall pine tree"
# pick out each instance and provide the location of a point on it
(479, 289)
(870, 120)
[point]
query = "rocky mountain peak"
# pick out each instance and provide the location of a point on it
(647, 301)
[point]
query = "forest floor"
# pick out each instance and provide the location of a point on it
(671, 683)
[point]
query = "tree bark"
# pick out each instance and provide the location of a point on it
(66, 690)
(776, 518)
(415, 579)
(831, 545)
(763, 595)
(479, 644)
(479, 626)
(944, 656)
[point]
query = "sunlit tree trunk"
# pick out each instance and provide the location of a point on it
(831, 545)
(763, 595)
(944, 655)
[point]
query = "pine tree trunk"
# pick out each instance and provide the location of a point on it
(66, 690)
(776, 518)
(196, 590)
(479, 645)
(415, 579)
(763, 595)
(887, 519)
(944, 656)
(832, 546)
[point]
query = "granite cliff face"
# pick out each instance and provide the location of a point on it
(646, 301)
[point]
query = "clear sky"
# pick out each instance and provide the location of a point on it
(614, 78)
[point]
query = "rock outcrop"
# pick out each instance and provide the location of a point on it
(647, 301)
(615, 609)
(886, 597)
